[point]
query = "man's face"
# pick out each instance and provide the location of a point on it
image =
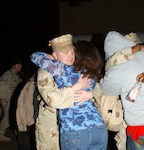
(67, 57)
(17, 67)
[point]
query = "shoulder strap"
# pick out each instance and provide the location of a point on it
(39, 97)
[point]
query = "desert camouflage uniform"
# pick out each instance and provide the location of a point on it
(119, 57)
(9, 81)
(47, 134)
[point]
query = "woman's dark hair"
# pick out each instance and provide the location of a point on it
(89, 59)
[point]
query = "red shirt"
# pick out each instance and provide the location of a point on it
(135, 131)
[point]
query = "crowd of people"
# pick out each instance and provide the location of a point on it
(66, 80)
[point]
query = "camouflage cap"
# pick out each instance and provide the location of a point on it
(62, 43)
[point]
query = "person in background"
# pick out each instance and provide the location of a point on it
(9, 80)
(89, 60)
(121, 78)
(25, 139)
(116, 140)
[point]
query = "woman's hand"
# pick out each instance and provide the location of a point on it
(82, 83)
(82, 96)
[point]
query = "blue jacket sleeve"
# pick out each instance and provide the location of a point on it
(55, 68)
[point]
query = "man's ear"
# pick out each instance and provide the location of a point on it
(54, 55)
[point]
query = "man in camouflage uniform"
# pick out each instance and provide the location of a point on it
(47, 132)
(9, 81)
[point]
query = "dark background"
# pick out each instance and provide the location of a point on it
(26, 26)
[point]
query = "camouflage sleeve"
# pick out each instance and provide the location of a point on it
(57, 98)
(5, 88)
(119, 58)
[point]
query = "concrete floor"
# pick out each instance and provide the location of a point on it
(11, 145)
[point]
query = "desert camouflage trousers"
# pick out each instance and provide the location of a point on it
(4, 124)
(47, 134)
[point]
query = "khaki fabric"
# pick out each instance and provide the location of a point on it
(56, 98)
(119, 58)
(25, 109)
(47, 133)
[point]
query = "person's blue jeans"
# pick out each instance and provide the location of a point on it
(135, 145)
(95, 138)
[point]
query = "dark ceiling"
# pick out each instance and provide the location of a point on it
(74, 2)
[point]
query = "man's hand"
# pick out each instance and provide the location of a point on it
(4, 103)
